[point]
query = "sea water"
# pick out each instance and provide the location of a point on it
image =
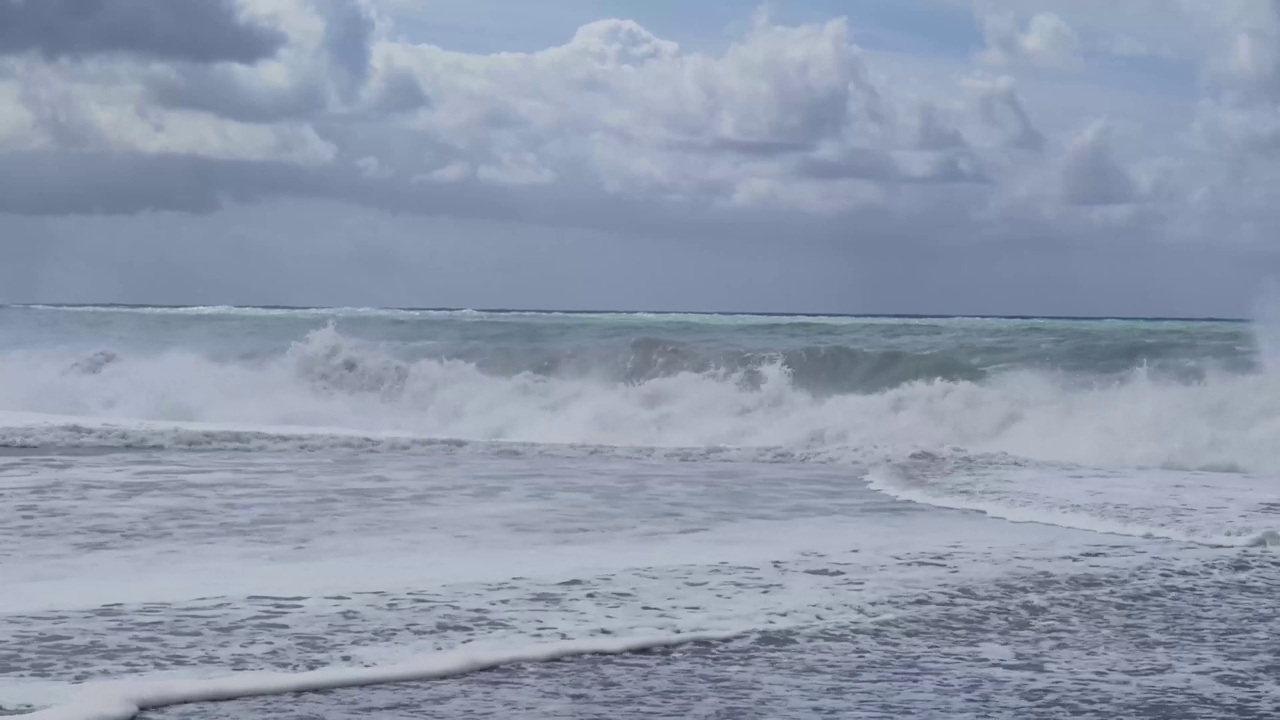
(501, 514)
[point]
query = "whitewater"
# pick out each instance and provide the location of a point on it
(467, 513)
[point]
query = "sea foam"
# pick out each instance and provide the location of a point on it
(328, 382)
(125, 699)
(1215, 509)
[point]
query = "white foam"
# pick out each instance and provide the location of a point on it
(621, 546)
(124, 700)
(1218, 509)
(1226, 422)
(471, 314)
(213, 524)
(351, 563)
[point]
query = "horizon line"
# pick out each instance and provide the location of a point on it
(552, 311)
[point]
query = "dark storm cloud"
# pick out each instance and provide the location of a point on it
(211, 90)
(59, 183)
(202, 31)
(346, 51)
(348, 40)
(1091, 175)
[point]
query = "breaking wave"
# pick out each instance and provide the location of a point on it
(819, 369)
(671, 395)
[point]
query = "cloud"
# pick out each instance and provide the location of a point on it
(615, 110)
(69, 112)
(619, 129)
(202, 31)
(1251, 71)
(348, 43)
(1095, 29)
(786, 152)
(933, 132)
(1047, 41)
(621, 110)
(1002, 112)
(1091, 175)
(324, 67)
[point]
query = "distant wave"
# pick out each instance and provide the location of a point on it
(819, 369)
(807, 401)
(724, 318)
(242, 311)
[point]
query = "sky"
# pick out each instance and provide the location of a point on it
(1091, 157)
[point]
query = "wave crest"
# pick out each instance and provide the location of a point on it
(819, 369)
(330, 363)
(674, 399)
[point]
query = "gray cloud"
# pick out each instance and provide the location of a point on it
(1002, 108)
(348, 41)
(45, 183)
(315, 78)
(191, 30)
(354, 256)
(859, 163)
(617, 130)
(792, 140)
(398, 91)
(615, 112)
(112, 185)
(934, 133)
(1091, 175)
(758, 148)
(221, 92)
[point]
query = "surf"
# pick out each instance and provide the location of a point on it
(123, 700)
(327, 380)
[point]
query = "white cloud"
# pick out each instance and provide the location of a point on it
(787, 121)
(1126, 28)
(1047, 41)
(17, 123)
(77, 112)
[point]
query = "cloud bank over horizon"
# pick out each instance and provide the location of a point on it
(1120, 157)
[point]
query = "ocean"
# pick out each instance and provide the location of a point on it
(217, 512)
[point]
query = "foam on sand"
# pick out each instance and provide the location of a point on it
(1205, 508)
(122, 700)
